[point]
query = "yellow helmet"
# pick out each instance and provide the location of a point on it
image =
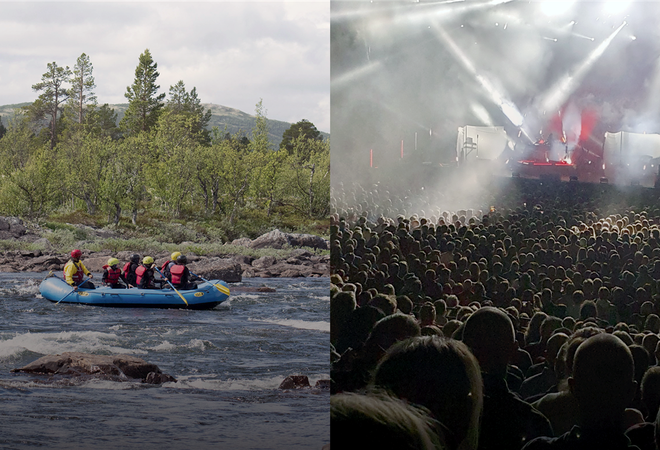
(113, 262)
(174, 256)
(148, 260)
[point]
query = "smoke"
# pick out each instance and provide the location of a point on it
(416, 72)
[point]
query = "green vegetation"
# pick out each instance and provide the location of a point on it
(147, 246)
(160, 175)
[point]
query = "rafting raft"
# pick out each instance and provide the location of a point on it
(207, 295)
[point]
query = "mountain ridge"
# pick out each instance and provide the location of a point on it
(233, 119)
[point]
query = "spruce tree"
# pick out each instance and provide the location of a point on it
(188, 104)
(144, 104)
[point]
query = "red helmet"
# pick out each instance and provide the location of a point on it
(76, 253)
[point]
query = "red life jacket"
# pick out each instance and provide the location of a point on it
(127, 268)
(162, 268)
(78, 276)
(113, 275)
(177, 273)
(140, 273)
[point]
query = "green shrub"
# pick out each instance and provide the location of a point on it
(62, 240)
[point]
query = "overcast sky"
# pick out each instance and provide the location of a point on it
(234, 53)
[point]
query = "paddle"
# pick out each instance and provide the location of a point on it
(221, 288)
(74, 290)
(171, 285)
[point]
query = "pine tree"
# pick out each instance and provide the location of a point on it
(144, 105)
(53, 95)
(82, 84)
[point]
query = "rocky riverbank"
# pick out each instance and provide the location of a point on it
(301, 256)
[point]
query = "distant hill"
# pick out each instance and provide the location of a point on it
(234, 119)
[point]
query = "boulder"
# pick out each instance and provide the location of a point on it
(16, 226)
(308, 240)
(95, 263)
(6, 235)
(237, 289)
(272, 239)
(243, 259)
(42, 263)
(278, 239)
(218, 269)
(264, 261)
(322, 384)
(108, 367)
(295, 382)
(242, 242)
(158, 378)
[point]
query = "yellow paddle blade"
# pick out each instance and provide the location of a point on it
(221, 288)
(184, 300)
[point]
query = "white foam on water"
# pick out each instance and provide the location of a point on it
(299, 324)
(193, 344)
(26, 288)
(224, 305)
(112, 385)
(200, 344)
(203, 382)
(246, 295)
(64, 341)
(176, 332)
(164, 346)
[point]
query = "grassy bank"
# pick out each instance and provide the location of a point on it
(158, 233)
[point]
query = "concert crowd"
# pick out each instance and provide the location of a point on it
(530, 321)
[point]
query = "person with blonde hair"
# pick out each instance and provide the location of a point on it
(379, 420)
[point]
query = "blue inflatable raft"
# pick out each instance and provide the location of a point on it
(207, 295)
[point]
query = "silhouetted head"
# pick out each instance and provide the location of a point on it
(387, 331)
(490, 336)
(603, 380)
(651, 392)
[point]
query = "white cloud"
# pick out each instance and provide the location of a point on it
(234, 52)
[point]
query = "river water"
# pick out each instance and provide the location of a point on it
(229, 362)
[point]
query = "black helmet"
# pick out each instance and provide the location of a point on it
(181, 259)
(135, 259)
